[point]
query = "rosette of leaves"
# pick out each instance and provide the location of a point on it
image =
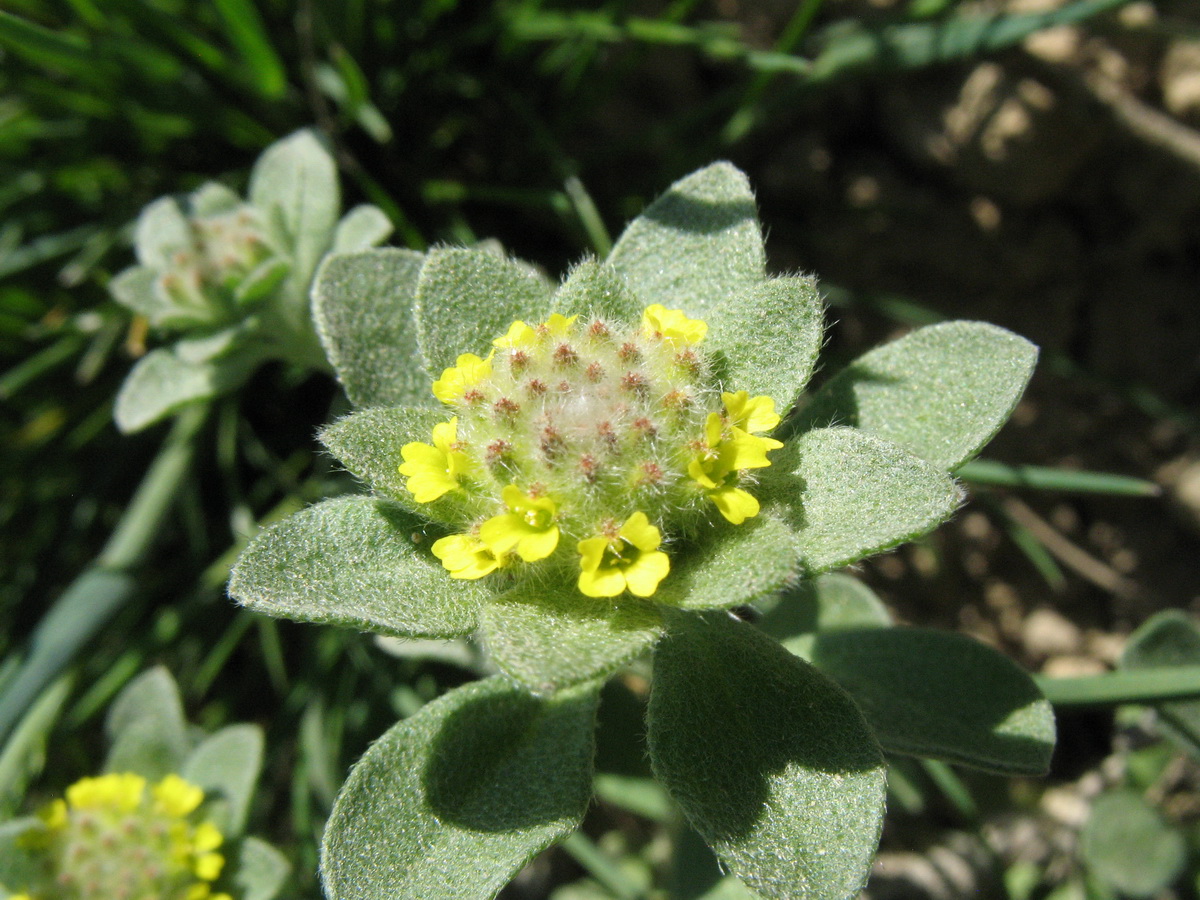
(163, 782)
(773, 750)
(228, 279)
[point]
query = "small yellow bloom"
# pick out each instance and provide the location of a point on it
(672, 325)
(629, 560)
(468, 371)
(176, 797)
(716, 466)
(519, 335)
(466, 556)
(206, 837)
(752, 414)
(435, 470)
(558, 325)
(208, 866)
(528, 526)
(54, 815)
(118, 792)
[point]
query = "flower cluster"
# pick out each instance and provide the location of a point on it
(223, 262)
(579, 443)
(117, 836)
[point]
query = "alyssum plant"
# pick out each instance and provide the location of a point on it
(580, 475)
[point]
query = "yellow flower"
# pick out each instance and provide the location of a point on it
(468, 371)
(752, 414)
(435, 470)
(630, 559)
(176, 797)
(716, 466)
(672, 325)
(54, 815)
(118, 792)
(528, 526)
(520, 335)
(466, 556)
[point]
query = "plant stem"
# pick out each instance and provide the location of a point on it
(602, 867)
(1113, 688)
(107, 584)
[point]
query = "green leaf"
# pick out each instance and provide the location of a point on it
(827, 602)
(549, 638)
(294, 184)
(1128, 845)
(728, 888)
(262, 282)
(354, 561)
(696, 244)
(368, 443)
(137, 289)
(247, 33)
(733, 566)
(212, 198)
(1168, 640)
(943, 695)
(942, 391)
(226, 766)
(161, 384)
(162, 228)
(771, 762)
(363, 310)
(18, 868)
(23, 755)
(361, 228)
(146, 728)
(466, 298)
(262, 871)
(593, 288)
(767, 338)
(451, 803)
(851, 495)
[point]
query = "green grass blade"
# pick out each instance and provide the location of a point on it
(1114, 688)
(1042, 478)
(43, 47)
(249, 35)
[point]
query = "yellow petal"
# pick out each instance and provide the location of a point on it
(639, 532)
(605, 582)
(753, 414)
(465, 556)
(735, 504)
(518, 335)
(445, 434)
(209, 866)
(467, 372)
(558, 324)
(501, 533)
(538, 544)
(672, 325)
(176, 797)
(646, 572)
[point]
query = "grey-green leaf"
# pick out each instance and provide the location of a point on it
(943, 695)
(451, 803)
(212, 199)
(1130, 847)
(766, 338)
(361, 228)
(368, 443)
(161, 384)
(226, 766)
(162, 228)
(18, 868)
(733, 566)
(825, 603)
(262, 871)
(146, 727)
(294, 184)
(551, 638)
(137, 289)
(466, 298)
(358, 562)
(851, 494)
(1169, 638)
(771, 761)
(597, 289)
(363, 310)
(942, 391)
(695, 245)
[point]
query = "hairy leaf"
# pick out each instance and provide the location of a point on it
(942, 392)
(771, 762)
(226, 766)
(363, 310)
(944, 695)
(262, 871)
(825, 603)
(355, 561)
(597, 289)
(361, 228)
(696, 244)
(1169, 638)
(550, 639)
(851, 494)
(161, 384)
(452, 802)
(1130, 847)
(146, 728)
(468, 297)
(767, 337)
